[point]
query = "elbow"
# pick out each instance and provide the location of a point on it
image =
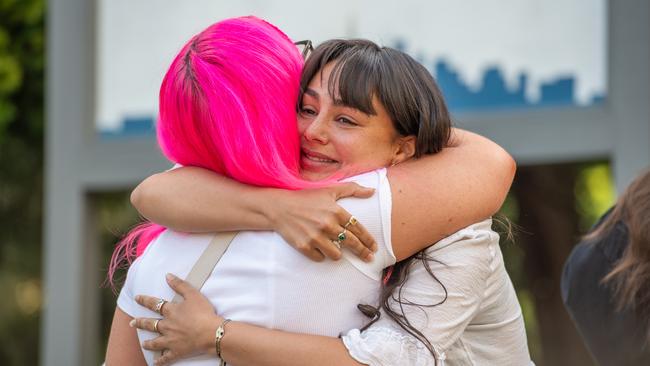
(136, 196)
(509, 166)
(142, 194)
(506, 166)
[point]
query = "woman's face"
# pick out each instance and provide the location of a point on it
(340, 139)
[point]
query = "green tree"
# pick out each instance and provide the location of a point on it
(22, 39)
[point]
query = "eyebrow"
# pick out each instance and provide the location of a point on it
(337, 102)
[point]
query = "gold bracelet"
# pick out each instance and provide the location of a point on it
(218, 335)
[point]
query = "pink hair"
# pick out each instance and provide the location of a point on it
(228, 104)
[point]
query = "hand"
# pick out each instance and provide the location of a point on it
(186, 328)
(310, 220)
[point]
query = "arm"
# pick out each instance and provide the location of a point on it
(193, 199)
(440, 194)
(189, 328)
(123, 344)
(432, 197)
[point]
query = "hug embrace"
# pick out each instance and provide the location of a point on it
(360, 219)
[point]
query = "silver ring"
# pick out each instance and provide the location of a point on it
(155, 326)
(337, 243)
(159, 306)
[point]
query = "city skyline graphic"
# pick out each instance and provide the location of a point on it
(494, 93)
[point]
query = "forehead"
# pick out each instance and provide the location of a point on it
(323, 85)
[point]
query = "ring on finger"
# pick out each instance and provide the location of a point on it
(351, 222)
(337, 243)
(159, 306)
(341, 235)
(155, 325)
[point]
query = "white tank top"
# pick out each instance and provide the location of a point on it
(262, 280)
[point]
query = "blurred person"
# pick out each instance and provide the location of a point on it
(387, 147)
(606, 281)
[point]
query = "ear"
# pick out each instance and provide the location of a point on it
(404, 149)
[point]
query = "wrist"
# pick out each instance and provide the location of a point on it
(270, 202)
(207, 337)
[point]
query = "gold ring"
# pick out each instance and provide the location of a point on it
(341, 236)
(159, 306)
(155, 326)
(352, 221)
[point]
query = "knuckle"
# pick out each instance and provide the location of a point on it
(302, 247)
(312, 239)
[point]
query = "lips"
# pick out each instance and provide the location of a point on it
(313, 160)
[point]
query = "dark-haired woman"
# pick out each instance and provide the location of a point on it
(606, 281)
(351, 118)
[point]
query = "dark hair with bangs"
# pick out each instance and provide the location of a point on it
(363, 70)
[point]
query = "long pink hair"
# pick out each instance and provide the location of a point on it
(228, 104)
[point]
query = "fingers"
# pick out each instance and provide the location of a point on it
(310, 251)
(352, 190)
(329, 249)
(345, 219)
(151, 302)
(359, 249)
(180, 286)
(167, 358)
(148, 324)
(314, 254)
(364, 237)
(156, 344)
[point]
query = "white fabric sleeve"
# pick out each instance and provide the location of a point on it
(374, 214)
(384, 346)
(462, 262)
(126, 299)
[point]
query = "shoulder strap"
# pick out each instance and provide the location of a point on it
(205, 264)
(207, 261)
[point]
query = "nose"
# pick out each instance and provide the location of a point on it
(316, 130)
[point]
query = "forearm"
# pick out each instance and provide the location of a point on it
(197, 200)
(246, 344)
(439, 194)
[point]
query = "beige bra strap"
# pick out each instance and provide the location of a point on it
(205, 264)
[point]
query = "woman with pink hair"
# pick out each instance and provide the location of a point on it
(361, 108)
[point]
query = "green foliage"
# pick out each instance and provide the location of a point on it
(594, 193)
(21, 176)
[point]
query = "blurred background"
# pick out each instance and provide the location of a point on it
(562, 85)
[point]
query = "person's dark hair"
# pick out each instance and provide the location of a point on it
(362, 71)
(630, 277)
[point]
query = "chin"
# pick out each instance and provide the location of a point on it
(314, 176)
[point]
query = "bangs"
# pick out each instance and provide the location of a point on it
(355, 77)
(354, 80)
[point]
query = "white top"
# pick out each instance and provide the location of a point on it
(480, 322)
(262, 280)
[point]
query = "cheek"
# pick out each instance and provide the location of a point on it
(302, 125)
(367, 152)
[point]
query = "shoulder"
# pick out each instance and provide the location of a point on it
(369, 179)
(474, 243)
